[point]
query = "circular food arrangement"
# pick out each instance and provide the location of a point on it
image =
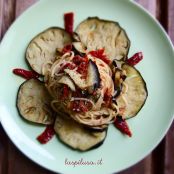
(81, 82)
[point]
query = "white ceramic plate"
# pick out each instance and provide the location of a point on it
(149, 127)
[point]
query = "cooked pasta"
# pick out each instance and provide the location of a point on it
(89, 109)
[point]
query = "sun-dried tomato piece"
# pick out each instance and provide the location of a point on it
(82, 65)
(135, 59)
(122, 125)
(25, 73)
(67, 48)
(69, 22)
(47, 135)
(100, 54)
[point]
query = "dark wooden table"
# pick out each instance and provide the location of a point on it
(160, 161)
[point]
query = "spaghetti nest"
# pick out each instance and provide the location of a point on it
(81, 88)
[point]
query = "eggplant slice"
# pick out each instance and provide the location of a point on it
(134, 97)
(76, 136)
(93, 77)
(42, 48)
(95, 33)
(33, 102)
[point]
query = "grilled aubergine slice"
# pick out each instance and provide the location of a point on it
(33, 102)
(134, 97)
(76, 136)
(94, 33)
(42, 48)
(91, 82)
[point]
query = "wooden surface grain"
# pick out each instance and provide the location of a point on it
(160, 161)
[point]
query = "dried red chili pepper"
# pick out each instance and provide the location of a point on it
(136, 58)
(69, 22)
(100, 54)
(25, 73)
(122, 125)
(46, 136)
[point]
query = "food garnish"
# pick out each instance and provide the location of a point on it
(69, 22)
(122, 125)
(25, 73)
(135, 59)
(100, 54)
(47, 135)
